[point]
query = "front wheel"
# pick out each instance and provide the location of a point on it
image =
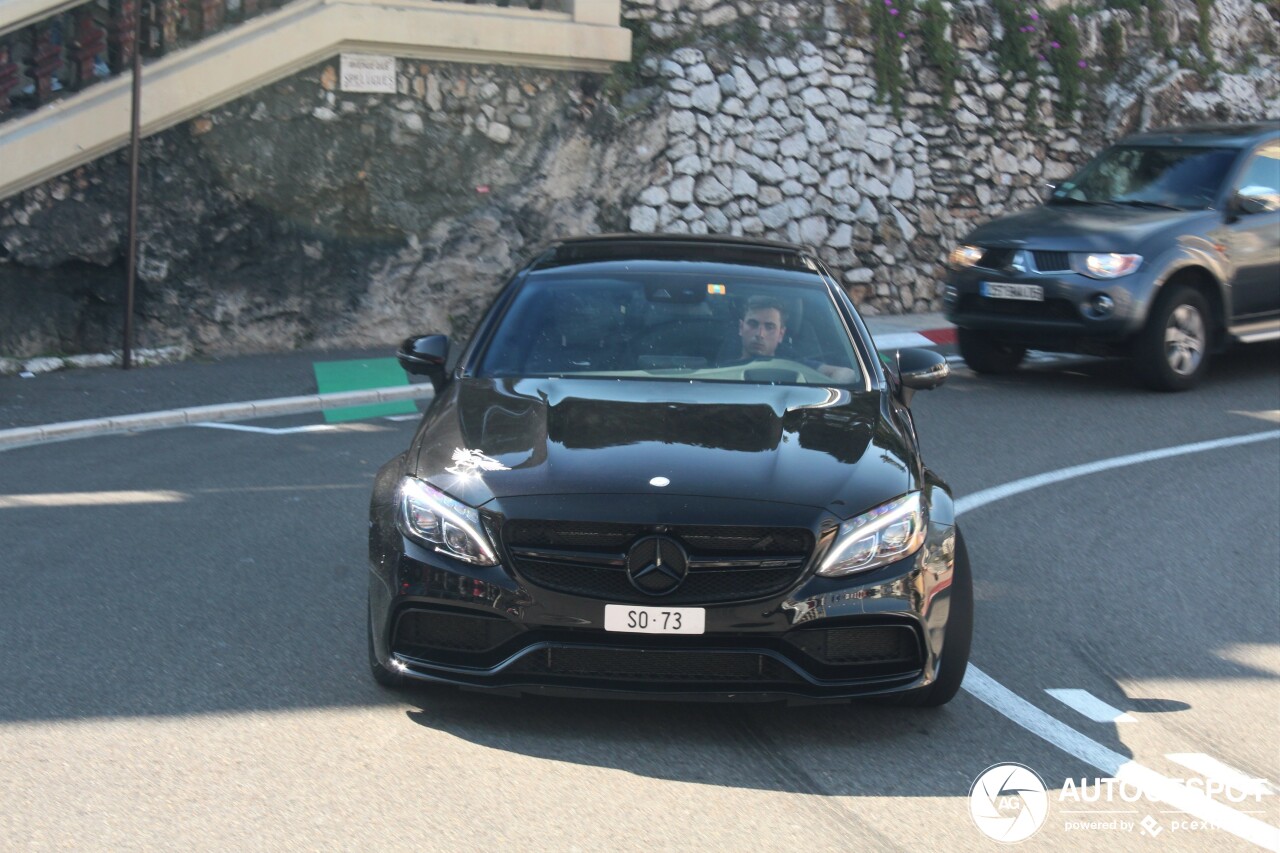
(1172, 352)
(987, 355)
(959, 637)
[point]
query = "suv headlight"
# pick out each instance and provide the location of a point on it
(1105, 264)
(964, 255)
(451, 527)
(879, 536)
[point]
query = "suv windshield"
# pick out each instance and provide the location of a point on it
(1156, 176)
(711, 322)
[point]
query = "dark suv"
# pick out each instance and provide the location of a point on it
(1166, 247)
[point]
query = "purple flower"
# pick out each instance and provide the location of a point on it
(893, 11)
(902, 35)
(1083, 64)
(1042, 58)
(1034, 16)
(1054, 45)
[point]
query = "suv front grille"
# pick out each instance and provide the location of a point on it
(726, 563)
(1045, 261)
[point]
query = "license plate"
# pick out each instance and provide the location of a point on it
(654, 620)
(1025, 292)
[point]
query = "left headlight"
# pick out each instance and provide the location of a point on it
(888, 533)
(429, 515)
(964, 256)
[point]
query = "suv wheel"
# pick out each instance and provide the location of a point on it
(1172, 352)
(987, 355)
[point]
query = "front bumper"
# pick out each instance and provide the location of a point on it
(1067, 319)
(435, 619)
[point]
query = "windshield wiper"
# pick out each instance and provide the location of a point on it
(1066, 199)
(1136, 202)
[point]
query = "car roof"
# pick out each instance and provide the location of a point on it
(1217, 135)
(675, 247)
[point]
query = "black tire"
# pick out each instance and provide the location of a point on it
(955, 650)
(1172, 352)
(382, 675)
(985, 354)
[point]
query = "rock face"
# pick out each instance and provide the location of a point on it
(303, 216)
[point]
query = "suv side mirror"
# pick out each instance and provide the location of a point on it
(920, 370)
(1255, 199)
(425, 356)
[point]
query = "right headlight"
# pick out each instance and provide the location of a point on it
(430, 516)
(964, 256)
(1105, 264)
(883, 535)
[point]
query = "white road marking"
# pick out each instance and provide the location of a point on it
(269, 430)
(412, 417)
(1189, 800)
(1004, 701)
(1090, 706)
(65, 499)
(1211, 768)
(1026, 484)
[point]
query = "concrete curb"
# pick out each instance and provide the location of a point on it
(11, 439)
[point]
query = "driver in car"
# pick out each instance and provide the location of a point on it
(762, 329)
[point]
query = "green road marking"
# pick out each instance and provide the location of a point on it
(360, 375)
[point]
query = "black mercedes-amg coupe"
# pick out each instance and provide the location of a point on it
(671, 467)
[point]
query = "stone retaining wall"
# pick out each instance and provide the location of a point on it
(303, 216)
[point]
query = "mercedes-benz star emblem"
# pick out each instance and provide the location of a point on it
(656, 565)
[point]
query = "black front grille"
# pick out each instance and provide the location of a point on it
(874, 644)
(726, 563)
(654, 665)
(599, 536)
(1059, 310)
(994, 259)
(1052, 261)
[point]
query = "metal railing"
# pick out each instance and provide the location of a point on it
(76, 46)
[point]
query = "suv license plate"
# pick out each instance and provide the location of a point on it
(654, 620)
(1025, 292)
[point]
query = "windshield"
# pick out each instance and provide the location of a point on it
(1150, 176)
(707, 322)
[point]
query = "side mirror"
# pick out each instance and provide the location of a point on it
(920, 370)
(1253, 199)
(425, 356)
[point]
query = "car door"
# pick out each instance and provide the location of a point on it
(1254, 236)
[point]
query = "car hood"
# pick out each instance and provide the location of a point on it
(814, 446)
(1080, 228)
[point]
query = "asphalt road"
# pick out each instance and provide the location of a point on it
(181, 614)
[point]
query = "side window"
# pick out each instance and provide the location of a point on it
(1260, 181)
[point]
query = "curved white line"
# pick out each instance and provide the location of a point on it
(1003, 700)
(1026, 484)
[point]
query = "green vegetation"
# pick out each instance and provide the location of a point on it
(1112, 45)
(1159, 29)
(1204, 11)
(938, 47)
(1065, 59)
(888, 19)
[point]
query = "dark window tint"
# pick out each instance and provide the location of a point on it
(678, 321)
(1170, 176)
